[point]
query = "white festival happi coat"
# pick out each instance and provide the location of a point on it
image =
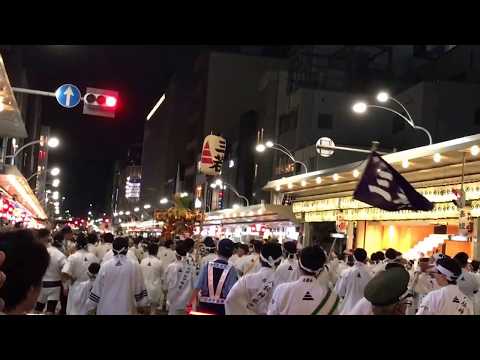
(166, 256)
(303, 297)
(179, 284)
(119, 287)
(76, 267)
(288, 270)
(152, 270)
(351, 286)
(448, 300)
(249, 264)
(252, 293)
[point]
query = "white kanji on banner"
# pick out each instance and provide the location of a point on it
(213, 153)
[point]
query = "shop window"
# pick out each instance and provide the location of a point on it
(325, 121)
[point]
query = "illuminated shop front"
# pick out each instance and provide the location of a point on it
(18, 203)
(325, 196)
(243, 224)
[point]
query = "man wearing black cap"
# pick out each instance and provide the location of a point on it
(449, 299)
(215, 281)
(307, 295)
(352, 284)
(251, 295)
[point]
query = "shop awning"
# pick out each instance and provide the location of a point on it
(11, 123)
(13, 183)
(250, 214)
(422, 171)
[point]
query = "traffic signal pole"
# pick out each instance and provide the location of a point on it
(33, 92)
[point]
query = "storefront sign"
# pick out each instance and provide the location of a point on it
(440, 211)
(438, 194)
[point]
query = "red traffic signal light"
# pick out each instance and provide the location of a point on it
(100, 102)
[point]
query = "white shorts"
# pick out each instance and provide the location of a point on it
(49, 294)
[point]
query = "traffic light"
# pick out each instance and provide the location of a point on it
(100, 102)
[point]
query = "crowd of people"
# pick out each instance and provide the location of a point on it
(100, 274)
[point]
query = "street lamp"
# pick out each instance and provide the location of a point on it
(136, 209)
(184, 194)
(147, 206)
(55, 171)
(56, 182)
(224, 185)
(382, 97)
(52, 142)
(271, 145)
(164, 201)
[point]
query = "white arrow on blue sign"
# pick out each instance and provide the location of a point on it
(68, 95)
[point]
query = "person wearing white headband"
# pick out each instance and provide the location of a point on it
(288, 270)
(130, 255)
(251, 295)
(179, 281)
(352, 283)
(209, 246)
(307, 295)
(449, 299)
(119, 288)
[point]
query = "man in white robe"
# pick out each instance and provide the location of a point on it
(251, 263)
(467, 282)
(52, 280)
(385, 294)
(252, 293)
(119, 288)
(75, 270)
(152, 270)
(81, 292)
(179, 281)
(449, 299)
(241, 250)
(352, 284)
(421, 284)
(306, 296)
(209, 246)
(288, 270)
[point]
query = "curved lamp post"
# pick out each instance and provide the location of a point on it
(361, 107)
(52, 142)
(224, 185)
(271, 145)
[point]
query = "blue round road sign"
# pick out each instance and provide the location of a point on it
(68, 95)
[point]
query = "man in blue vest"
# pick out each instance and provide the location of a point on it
(215, 281)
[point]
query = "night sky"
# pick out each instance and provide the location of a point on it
(90, 145)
